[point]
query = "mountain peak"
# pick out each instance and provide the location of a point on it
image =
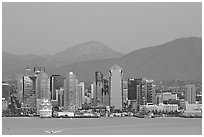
(90, 50)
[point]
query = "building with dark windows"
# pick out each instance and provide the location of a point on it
(29, 92)
(56, 82)
(135, 93)
(150, 87)
(106, 92)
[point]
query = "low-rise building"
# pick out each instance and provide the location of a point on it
(162, 107)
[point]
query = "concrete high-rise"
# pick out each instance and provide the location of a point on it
(106, 92)
(190, 94)
(99, 86)
(151, 96)
(116, 81)
(29, 92)
(42, 86)
(81, 93)
(61, 98)
(70, 92)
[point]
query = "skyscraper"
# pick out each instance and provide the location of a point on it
(116, 80)
(150, 87)
(135, 93)
(81, 93)
(42, 86)
(70, 91)
(99, 86)
(61, 98)
(56, 82)
(190, 94)
(29, 96)
(106, 92)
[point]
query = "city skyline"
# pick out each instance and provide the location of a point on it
(130, 26)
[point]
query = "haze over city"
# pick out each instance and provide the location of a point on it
(48, 28)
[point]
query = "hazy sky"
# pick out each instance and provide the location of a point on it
(47, 28)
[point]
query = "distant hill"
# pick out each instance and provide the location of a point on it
(178, 59)
(91, 50)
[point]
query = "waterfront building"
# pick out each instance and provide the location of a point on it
(45, 108)
(193, 107)
(70, 91)
(190, 94)
(116, 81)
(161, 107)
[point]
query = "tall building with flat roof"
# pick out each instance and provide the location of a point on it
(42, 86)
(151, 95)
(99, 86)
(190, 94)
(56, 82)
(81, 93)
(106, 92)
(29, 92)
(70, 92)
(116, 81)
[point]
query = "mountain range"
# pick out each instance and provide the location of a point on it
(178, 59)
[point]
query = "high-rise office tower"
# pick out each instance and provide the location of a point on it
(81, 93)
(150, 87)
(135, 93)
(61, 98)
(29, 92)
(99, 86)
(116, 81)
(56, 82)
(70, 91)
(190, 94)
(20, 88)
(42, 86)
(106, 92)
(92, 91)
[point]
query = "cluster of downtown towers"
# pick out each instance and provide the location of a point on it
(71, 95)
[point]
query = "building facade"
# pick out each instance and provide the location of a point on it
(116, 81)
(99, 86)
(70, 92)
(190, 94)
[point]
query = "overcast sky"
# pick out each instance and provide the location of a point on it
(48, 28)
